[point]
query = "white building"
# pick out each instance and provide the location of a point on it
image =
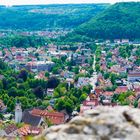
(18, 113)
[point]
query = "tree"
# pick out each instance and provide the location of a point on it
(106, 75)
(2, 65)
(76, 70)
(38, 91)
(12, 92)
(23, 74)
(60, 104)
(52, 82)
(1, 116)
(63, 58)
(68, 107)
(55, 70)
(83, 97)
(47, 74)
(11, 104)
(136, 103)
(113, 78)
(97, 67)
(24, 102)
(137, 62)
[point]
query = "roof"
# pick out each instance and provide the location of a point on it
(98, 90)
(121, 89)
(29, 130)
(134, 74)
(108, 93)
(10, 128)
(31, 119)
(55, 117)
(91, 103)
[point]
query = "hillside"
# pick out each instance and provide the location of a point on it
(39, 17)
(121, 20)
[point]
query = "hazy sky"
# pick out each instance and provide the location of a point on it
(20, 2)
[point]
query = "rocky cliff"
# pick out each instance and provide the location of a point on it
(103, 123)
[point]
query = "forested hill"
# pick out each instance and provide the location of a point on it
(121, 20)
(36, 17)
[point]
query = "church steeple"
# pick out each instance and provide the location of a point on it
(18, 113)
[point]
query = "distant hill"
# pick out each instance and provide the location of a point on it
(36, 17)
(121, 20)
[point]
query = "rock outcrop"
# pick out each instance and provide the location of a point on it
(103, 123)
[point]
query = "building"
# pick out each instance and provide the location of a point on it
(83, 81)
(121, 89)
(133, 76)
(31, 119)
(50, 92)
(29, 130)
(54, 117)
(18, 113)
(38, 66)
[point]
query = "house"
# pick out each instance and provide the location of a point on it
(98, 90)
(69, 81)
(30, 119)
(84, 108)
(118, 41)
(83, 81)
(91, 103)
(133, 76)
(92, 96)
(55, 117)
(41, 75)
(68, 74)
(29, 130)
(9, 131)
(108, 103)
(40, 65)
(50, 92)
(121, 89)
(78, 59)
(125, 41)
(108, 94)
(86, 52)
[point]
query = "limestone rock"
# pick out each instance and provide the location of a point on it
(102, 123)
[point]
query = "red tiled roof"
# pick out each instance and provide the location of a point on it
(55, 117)
(29, 130)
(98, 90)
(121, 89)
(108, 93)
(11, 128)
(91, 103)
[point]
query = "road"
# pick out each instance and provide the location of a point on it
(93, 78)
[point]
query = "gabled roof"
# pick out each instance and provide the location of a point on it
(11, 128)
(108, 93)
(121, 89)
(54, 117)
(28, 118)
(29, 130)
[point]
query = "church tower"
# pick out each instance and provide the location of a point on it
(18, 113)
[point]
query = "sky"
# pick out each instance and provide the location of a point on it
(23, 2)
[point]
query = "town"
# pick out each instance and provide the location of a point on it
(67, 80)
(69, 71)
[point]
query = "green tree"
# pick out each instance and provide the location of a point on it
(23, 74)
(38, 91)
